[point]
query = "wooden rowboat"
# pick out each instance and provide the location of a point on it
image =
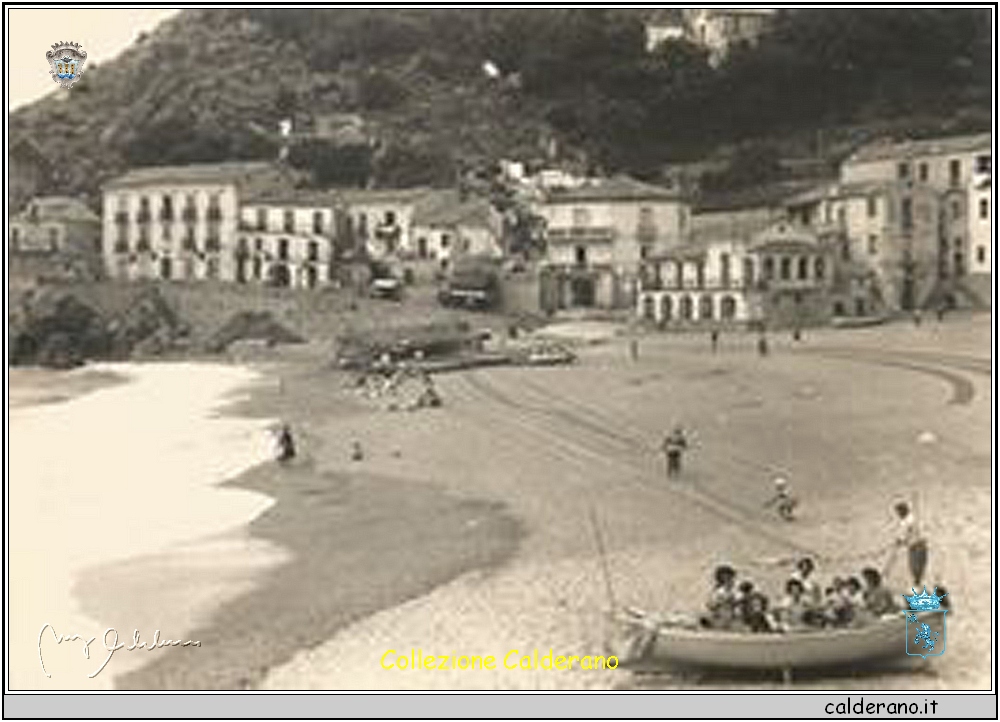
(678, 641)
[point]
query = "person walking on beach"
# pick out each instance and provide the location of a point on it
(633, 349)
(762, 345)
(715, 339)
(783, 499)
(674, 446)
(909, 537)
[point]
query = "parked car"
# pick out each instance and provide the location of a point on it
(386, 287)
(548, 354)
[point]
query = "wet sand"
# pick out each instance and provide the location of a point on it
(357, 542)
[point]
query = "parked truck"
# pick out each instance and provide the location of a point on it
(472, 283)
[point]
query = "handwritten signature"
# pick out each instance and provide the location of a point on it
(111, 646)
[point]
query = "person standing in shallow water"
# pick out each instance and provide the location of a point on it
(286, 444)
(910, 537)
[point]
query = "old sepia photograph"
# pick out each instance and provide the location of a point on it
(494, 348)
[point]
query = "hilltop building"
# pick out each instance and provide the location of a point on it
(717, 30)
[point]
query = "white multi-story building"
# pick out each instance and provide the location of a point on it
(781, 276)
(178, 222)
(287, 239)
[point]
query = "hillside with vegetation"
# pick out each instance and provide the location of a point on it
(439, 92)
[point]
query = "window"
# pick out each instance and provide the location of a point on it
(212, 267)
(580, 255)
(819, 268)
(872, 206)
(362, 225)
(955, 172)
(318, 222)
(958, 242)
(786, 268)
(724, 270)
(189, 241)
(645, 216)
(768, 268)
(166, 231)
(906, 214)
(980, 254)
(984, 164)
(803, 268)
(699, 271)
(258, 244)
(903, 171)
(581, 217)
(390, 218)
(959, 264)
(212, 240)
(445, 240)
(984, 209)
(748, 271)
(15, 237)
(143, 210)
(190, 214)
(214, 209)
(166, 209)
(242, 248)
(956, 208)
(923, 172)
(262, 219)
(313, 251)
(289, 222)
(644, 251)
(872, 245)
(283, 249)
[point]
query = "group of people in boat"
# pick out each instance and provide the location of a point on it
(740, 605)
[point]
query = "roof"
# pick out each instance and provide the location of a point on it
(237, 172)
(885, 149)
(375, 196)
(447, 208)
(58, 208)
(292, 197)
(618, 188)
(763, 195)
(686, 252)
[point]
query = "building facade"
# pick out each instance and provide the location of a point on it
(288, 240)
(598, 234)
(55, 237)
(179, 222)
(782, 276)
(447, 226)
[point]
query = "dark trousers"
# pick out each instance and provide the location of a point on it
(673, 463)
(918, 560)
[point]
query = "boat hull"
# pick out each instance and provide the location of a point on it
(883, 639)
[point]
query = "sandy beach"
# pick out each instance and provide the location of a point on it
(466, 529)
(113, 496)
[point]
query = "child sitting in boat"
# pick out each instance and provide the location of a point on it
(752, 611)
(877, 599)
(840, 603)
(722, 602)
(793, 612)
(803, 573)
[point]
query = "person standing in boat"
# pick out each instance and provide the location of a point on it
(674, 447)
(909, 537)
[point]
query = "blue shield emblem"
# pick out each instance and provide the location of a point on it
(926, 633)
(926, 624)
(66, 62)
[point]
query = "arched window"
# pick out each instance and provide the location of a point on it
(803, 268)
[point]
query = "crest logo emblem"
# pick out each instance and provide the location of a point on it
(66, 62)
(926, 624)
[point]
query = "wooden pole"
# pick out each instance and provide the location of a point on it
(604, 561)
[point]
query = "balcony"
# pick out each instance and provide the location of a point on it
(646, 233)
(581, 234)
(190, 214)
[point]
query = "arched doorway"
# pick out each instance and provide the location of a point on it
(706, 308)
(666, 309)
(648, 308)
(686, 308)
(280, 275)
(727, 309)
(582, 291)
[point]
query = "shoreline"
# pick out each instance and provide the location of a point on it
(415, 539)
